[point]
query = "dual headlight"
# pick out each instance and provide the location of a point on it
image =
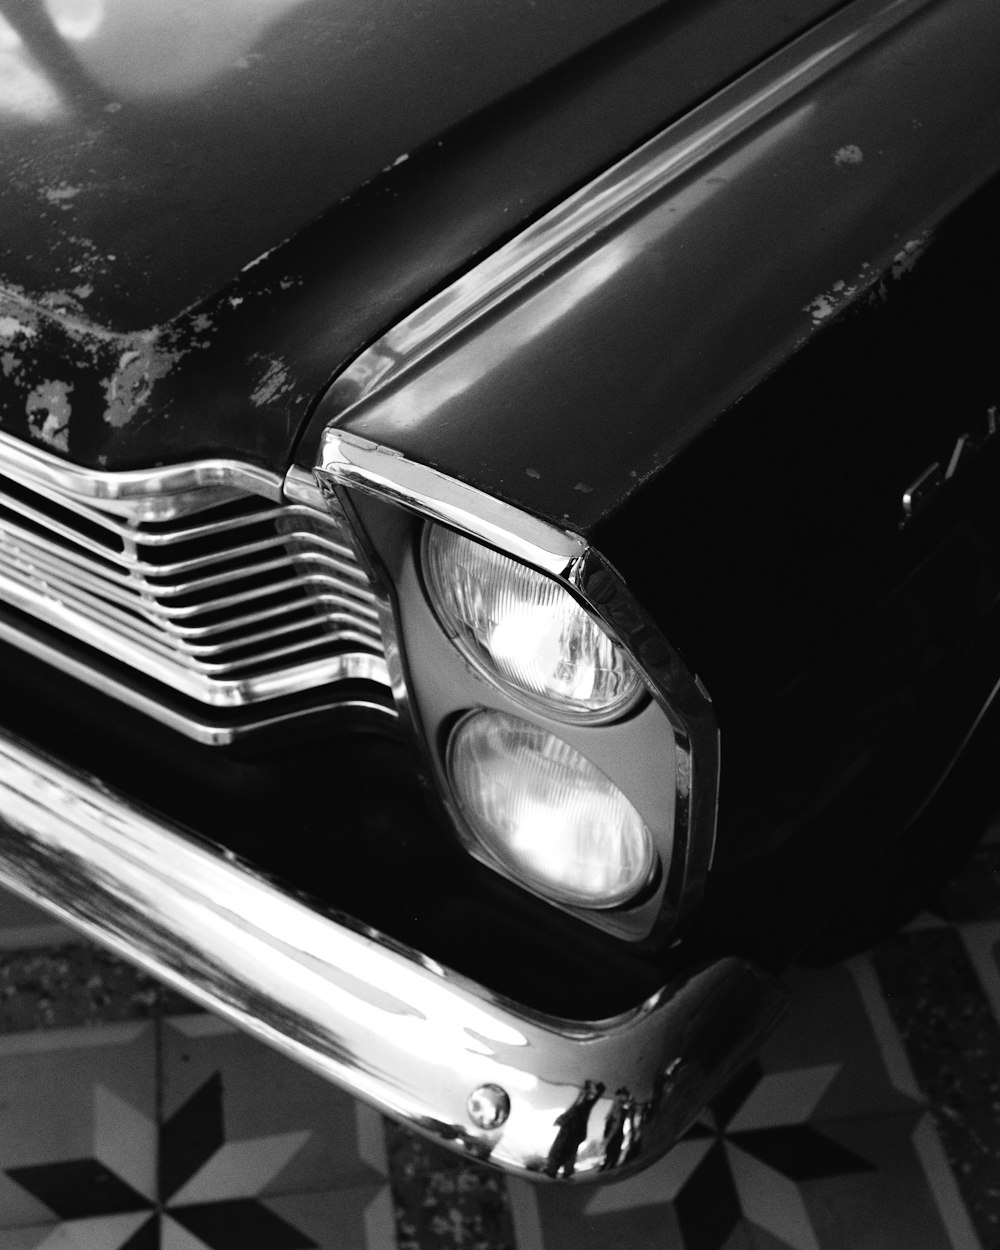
(536, 804)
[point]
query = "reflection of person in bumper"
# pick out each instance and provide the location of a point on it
(572, 1130)
(618, 1123)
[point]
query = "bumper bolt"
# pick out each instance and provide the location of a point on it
(488, 1106)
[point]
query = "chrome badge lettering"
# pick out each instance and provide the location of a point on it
(938, 474)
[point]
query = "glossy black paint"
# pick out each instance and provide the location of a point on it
(848, 651)
(170, 352)
(601, 372)
(170, 145)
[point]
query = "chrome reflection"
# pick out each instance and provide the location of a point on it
(374, 1016)
(196, 576)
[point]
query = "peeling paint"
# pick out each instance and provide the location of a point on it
(841, 292)
(275, 382)
(259, 259)
(48, 410)
(849, 154)
(12, 328)
(8, 364)
(821, 307)
(907, 257)
(138, 368)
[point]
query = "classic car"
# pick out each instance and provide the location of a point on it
(498, 523)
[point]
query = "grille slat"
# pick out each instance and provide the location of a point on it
(338, 612)
(231, 601)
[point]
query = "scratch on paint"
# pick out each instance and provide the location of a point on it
(274, 383)
(258, 260)
(907, 257)
(48, 410)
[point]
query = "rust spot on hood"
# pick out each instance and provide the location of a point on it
(141, 364)
(48, 408)
(47, 344)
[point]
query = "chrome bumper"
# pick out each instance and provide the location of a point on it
(394, 1028)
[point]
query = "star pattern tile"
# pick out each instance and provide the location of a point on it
(222, 1213)
(724, 1175)
(825, 1143)
(216, 1169)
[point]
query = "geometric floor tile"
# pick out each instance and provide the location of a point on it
(59, 1109)
(824, 1143)
(181, 1134)
(286, 1130)
(357, 1218)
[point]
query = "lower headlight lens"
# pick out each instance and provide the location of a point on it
(549, 815)
(525, 631)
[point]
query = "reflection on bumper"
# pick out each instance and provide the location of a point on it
(534, 1094)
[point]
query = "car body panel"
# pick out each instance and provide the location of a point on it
(129, 378)
(588, 379)
(627, 387)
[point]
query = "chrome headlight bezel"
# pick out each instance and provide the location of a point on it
(665, 751)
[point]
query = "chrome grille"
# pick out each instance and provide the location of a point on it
(222, 595)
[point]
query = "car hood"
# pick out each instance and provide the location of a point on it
(208, 208)
(154, 149)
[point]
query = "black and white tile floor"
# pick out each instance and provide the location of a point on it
(131, 1121)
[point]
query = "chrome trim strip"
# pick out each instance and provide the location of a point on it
(353, 666)
(387, 1024)
(648, 171)
(364, 465)
(125, 585)
(158, 494)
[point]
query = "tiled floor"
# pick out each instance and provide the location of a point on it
(131, 1121)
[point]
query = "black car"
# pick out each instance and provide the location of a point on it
(498, 517)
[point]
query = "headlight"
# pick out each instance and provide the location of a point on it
(525, 631)
(547, 813)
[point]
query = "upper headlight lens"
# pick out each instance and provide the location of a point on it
(524, 630)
